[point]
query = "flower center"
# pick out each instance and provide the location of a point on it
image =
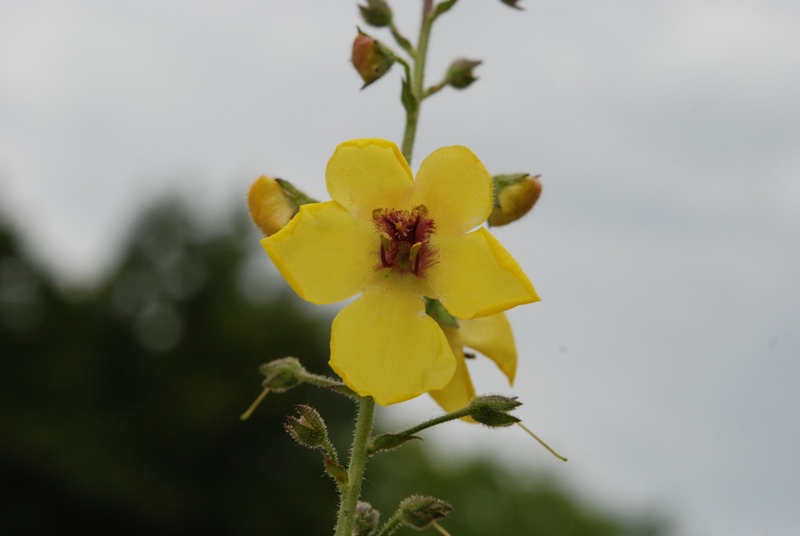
(405, 239)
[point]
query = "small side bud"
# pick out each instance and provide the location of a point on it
(420, 512)
(334, 470)
(376, 13)
(388, 442)
(512, 3)
(371, 58)
(309, 430)
(366, 520)
(492, 410)
(273, 203)
(459, 74)
(283, 374)
(514, 196)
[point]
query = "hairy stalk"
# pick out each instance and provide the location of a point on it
(351, 490)
(412, 116)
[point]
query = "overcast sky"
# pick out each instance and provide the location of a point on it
(663, 359)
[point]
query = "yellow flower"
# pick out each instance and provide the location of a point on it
(394, 240)
(491, 336)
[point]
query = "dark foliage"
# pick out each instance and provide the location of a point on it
(120, 405)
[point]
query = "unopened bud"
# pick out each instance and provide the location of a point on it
(366, 520)
(371, 58)
(283, 374)
(309, 430)
(419, 512)
(376, 13)
(492, 410)
(512, 3)
(273, 203)
(459, 74)
(514, 196)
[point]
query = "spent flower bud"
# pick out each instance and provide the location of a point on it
(419, 512)
(492, 410)
(376, 13)
(283, 374)
(371, 58)
(309, 430)
(366, 520)
(273, 203)
(514, 196)
(459, 74)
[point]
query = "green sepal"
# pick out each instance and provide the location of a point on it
(410, 102)
(388, 442)
(444, 7)
(437, 311)
(336, 471)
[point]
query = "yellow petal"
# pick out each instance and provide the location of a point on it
(456, 189)
(491, 336)
(475, 276)
(383, 344)
(459, 391)
(325, 254)
(367, 174)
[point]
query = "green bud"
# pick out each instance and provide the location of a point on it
(283, 374)
(371, 58)
(514, 196)
(309, 430)
(336, 471)
(366, 520)
(388, 442)
(492, 410)
(376, 13)
(419, 512)
(459, 74)
(512, 3)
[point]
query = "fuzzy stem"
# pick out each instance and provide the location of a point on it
(351, 490)
(463, 412)
(412, 116)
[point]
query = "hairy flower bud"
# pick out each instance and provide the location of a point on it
(371, 58)
(273, 203)
(419, 512)
(492, 410)
(309, 430)
(514, 196)
(283, 374)
(366, 520)
(459, 74)
(376, 13)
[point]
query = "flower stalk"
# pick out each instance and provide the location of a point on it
(355, 470)
(417, 80)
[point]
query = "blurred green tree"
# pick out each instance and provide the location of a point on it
(120, 404)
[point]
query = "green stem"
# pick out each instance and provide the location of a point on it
(351, 490)
(390, 527)
(412, 115)
(463, 412)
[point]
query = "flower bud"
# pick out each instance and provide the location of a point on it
(366, 520)
(309, 430)
(376, 13)
(273, 203)
(371, 58)
(514, 196)
(283, 374)
(419, 512)
(512, 3)
(459, 74)
(492, 410)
